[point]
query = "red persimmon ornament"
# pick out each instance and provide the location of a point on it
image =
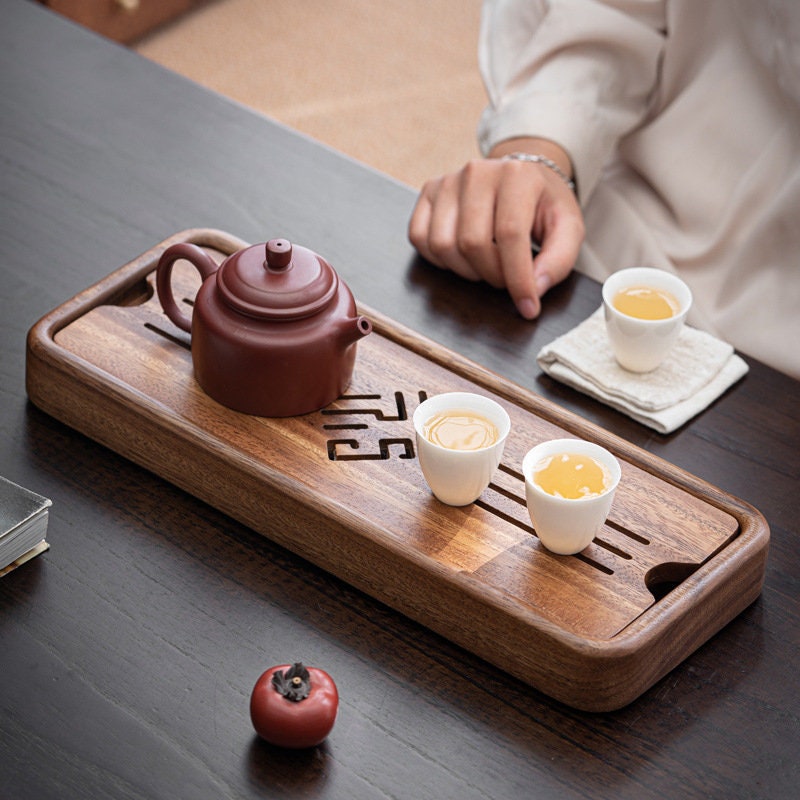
(294, 706)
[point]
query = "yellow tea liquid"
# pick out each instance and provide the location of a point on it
(645, 302)
(571, 475)
(459, 429)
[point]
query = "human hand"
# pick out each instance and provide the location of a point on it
(479, 223)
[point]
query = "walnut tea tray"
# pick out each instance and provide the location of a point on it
(675, 562)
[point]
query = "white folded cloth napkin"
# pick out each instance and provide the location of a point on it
(697, 370)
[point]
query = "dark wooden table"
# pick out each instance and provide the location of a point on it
(128, 651)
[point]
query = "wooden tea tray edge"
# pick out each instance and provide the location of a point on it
(584, 673)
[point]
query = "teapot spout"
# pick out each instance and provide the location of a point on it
(351, 329)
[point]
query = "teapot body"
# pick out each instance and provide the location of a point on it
(271, 336)
(274, 369)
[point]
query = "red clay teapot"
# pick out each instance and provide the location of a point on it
(274, 329)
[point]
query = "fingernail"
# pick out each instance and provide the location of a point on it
(527, 308)
(543, 283)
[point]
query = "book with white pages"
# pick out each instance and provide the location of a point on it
(23, 525)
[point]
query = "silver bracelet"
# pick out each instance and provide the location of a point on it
(547, 162)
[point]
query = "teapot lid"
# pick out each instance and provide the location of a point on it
(277, 281)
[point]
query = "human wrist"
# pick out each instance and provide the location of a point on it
(545, 149)
(545, 162)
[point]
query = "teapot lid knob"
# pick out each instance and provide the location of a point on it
(278, 254)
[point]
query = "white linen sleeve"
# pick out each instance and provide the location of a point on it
(581, 73)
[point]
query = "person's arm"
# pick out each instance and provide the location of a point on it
(566, 79)
(582, 73)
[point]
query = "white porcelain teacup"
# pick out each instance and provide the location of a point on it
(458, 475)
(565, 525)
(640, 345)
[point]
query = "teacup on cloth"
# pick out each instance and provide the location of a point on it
(698, 369)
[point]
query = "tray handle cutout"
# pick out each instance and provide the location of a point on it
(663, 578)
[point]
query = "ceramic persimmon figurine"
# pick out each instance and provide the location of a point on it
(274, 329)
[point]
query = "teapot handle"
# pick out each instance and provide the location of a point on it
(202, 262)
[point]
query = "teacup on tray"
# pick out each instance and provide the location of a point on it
(460, 439)
(569, 489)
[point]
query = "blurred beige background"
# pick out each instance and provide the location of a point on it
(392, 84)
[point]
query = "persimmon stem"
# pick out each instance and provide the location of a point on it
(294, 683)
